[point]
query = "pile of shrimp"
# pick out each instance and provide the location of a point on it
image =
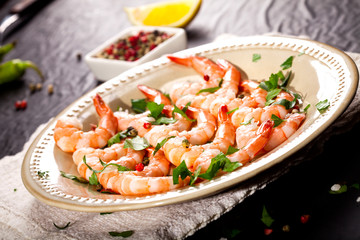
(212, 122)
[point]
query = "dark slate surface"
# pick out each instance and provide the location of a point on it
(63, 29)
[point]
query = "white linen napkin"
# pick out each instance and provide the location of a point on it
(25, 217)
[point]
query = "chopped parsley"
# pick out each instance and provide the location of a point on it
(129, 132)
(230, 112)
(322, 105)
(211, 90)
(266, 218)
(277, 120)
(159, 145)
(138, 105)
(43, 174)
(183, 112)
(256, 57)
(73, 177)
(137, 143)
(288, 63)
(247, 122)
(93, 180)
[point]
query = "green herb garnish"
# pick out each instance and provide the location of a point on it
(247, 122)
(231, 150)
(218, 162)
(266, 218)
(277, 120)
(137, 143)
(159, 145)
(43, 174)
(322, 105)
(343, 188)
(105, 213)
(306, 108)
(163, 120)
(73, 177)
(129, 132)
(138, 105)
(256, 57)
(230, 112)
(124, 234)
(155, 109)
(183, 112)
(288, 63)
(211, 90)
(183, 172)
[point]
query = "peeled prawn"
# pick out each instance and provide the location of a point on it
(211, 71)
(153, 179)
(68, 132)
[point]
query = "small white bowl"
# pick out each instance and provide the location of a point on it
(105, 69)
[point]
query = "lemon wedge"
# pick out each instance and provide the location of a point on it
(177, 13)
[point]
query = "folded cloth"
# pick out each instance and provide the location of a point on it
(24, 217)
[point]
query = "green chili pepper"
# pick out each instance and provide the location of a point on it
(5, 49)
(15, 69)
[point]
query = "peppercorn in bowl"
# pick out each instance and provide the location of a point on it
(132, 47)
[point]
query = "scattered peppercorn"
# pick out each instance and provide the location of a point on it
(20, 104)
(32, 87)
(286, 228)
(139, 167)
(50, 89)
(206, 77)
(185, 143)
(79, 56)
(132, 132)
(268, 231)
(304, 218)
(147, 125)
(38, 86)
(134, 47)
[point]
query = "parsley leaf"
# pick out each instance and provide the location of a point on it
(183, 112)
(211, 90)
(322, 105)
(271, 94)
(286, 80)
(230, 112)
(137, 143)
(43, 174)
(248, 122)
(138, 105)
(266, 218)
(93, 179)
(155, 109)
(73, 177)
(277, 120)
(218, 162)
(231, 150)
(343, 188)
(163, 120)
(256, 57)
(123, 234)
(306, 108)
(129, 132)
(159, 145)
(288, 63)
(183, 172)
(286, 103)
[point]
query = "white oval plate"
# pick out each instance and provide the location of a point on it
(320, 72)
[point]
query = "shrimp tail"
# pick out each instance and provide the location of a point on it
(101, 108)
(154, 95)
(223, 116)
(262, 138)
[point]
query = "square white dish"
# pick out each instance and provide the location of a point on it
(105, 69)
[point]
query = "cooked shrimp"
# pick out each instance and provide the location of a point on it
(69, 136)
(211, 72)
(116, 154)
(260, 114)
(254, 145)
(139, 121)
(176, 151)
(205, 128)
(154, 95)
(282, 132)
(257, 93)
(151, 180)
